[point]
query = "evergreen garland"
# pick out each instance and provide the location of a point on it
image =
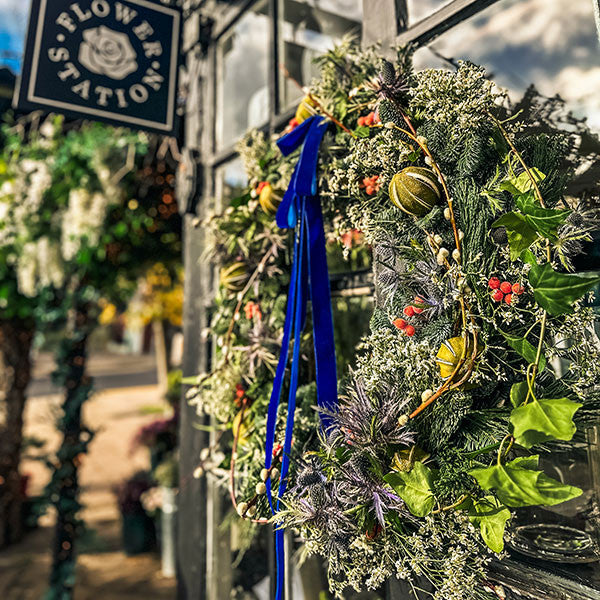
(452, 398)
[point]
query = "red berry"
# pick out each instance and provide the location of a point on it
(508, 298)
(417, 310)
(370, 190)
(409, 311)
(498, 296)
(400, 323)
(410, 330)
(517, 288)
(494, 283)
(506, 287)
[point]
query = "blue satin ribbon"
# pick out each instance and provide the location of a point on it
(301, 210)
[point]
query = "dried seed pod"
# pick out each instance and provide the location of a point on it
(269, 200)
(415, 190)
(234, 276)
(306, 109)
(449, 355)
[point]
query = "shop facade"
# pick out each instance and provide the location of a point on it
(245, 63)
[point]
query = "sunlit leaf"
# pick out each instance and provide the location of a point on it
(556, 292)
(415, 488)
(520, 233)
(543, 420)
(518, 483)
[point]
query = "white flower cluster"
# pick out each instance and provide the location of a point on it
(82, 221)
(21, 199)
(461, 99)
(40, 264)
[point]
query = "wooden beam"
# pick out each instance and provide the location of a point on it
(442, 20)
(383, 20)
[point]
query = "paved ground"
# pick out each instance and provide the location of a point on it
(108, 370)
(105, 573)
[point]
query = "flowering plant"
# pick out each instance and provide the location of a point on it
(445, 422)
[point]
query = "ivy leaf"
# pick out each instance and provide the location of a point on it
(491, 516)
(518, 393)
(556, 292)
(520, 233)
(543, 420)
(517, 484)
(524, 349)
(415, 488)
(543, 220)
(528, 257)
(522, 184)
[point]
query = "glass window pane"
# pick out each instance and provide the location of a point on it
(309, 28)
(243, 76)
(419, 9)
(230, 182)
(523, 42)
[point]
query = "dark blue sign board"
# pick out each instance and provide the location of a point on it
(104, 60)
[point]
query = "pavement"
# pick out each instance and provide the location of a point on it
(116, 413)
(108, 370)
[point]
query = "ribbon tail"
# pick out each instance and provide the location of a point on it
(320, 294)
(281, 367)
(299, 320)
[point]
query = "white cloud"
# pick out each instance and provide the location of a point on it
(550, 43)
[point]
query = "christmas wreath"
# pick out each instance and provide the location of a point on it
(481, 358)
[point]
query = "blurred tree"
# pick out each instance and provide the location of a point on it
(77, 223)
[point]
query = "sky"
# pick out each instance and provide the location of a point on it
(13, 23)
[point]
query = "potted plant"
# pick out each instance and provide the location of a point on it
(139, 534)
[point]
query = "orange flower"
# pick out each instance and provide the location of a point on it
(252, 309)
(370, 185)
(368, 120)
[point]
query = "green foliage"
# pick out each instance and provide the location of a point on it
(415, 488)
(491, 516)
(545, 419)
(557, 292)
(519, 483)
(520, 233)
(524, 349)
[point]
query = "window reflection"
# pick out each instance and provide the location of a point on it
(521, 42)
(309, 28)
(419, 9)
(243, 75)
(231, 182)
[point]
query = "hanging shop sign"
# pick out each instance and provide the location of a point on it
(105, 60)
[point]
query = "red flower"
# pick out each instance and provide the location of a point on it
(410, 330)
(368, 120)
(498, 296)
(400, 324)
(252, 309)
(370, 185)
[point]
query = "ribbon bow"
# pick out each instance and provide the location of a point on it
(301, 210)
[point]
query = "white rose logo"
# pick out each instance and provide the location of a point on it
(107, 52)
